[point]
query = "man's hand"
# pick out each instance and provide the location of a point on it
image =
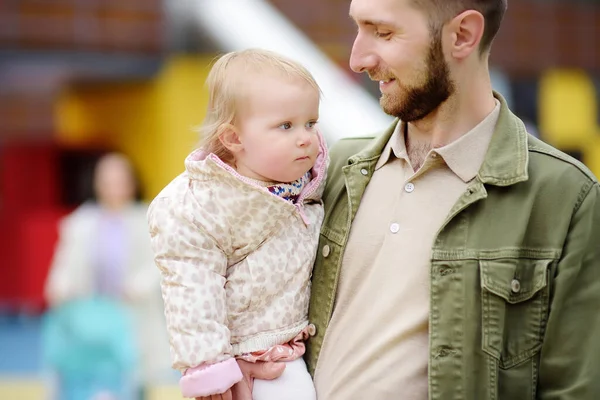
(224, 396)
(250, 371)
(259, 370)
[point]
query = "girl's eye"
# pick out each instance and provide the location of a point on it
(286, 126)
(311, 124)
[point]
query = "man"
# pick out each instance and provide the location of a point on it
(459, 255)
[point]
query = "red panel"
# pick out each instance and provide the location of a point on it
(38, 234)
(29, 182)
(10, 265)
(28, 177)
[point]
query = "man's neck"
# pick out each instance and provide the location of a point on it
(452, 119)
(465, 109)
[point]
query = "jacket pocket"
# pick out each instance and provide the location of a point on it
(514, 302)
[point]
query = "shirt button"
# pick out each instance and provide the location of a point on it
(515, 286)
(433, 155)
(312, 329)
(394, 228)
(364, 171)
(409, 187)
(325, 251)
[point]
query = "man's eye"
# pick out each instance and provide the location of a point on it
(286, 126)
(383, 35)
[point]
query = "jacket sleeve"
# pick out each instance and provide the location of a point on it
(143, 283)
(69, 265)
(570, 356)
(193, 271)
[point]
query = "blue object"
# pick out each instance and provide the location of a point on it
(89, 345)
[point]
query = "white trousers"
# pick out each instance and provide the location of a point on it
(294, 384)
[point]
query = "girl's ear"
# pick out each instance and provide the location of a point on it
(230, 138)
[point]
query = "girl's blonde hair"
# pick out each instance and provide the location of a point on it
(224, 90)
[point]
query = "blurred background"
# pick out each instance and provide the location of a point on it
(80, 78)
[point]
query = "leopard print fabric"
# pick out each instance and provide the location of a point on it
(235, 260)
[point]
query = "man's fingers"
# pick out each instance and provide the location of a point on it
(226, 395)
(262, 370)
(269, 370)
(250, 371)
(241, 391)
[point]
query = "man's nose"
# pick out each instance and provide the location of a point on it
(362, 58)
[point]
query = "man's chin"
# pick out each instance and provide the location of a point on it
(389, 106)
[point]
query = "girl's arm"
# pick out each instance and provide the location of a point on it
(193, 269)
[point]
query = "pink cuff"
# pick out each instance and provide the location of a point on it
(206, 380)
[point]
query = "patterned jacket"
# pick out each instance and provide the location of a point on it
(236, 260)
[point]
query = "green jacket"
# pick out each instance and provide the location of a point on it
(514, 273)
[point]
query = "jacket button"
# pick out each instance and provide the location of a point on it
(444, 351)
(326, 250)
(312, 329)
(515, 286)
(364, 171)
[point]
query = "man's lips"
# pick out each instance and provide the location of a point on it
(384, 84)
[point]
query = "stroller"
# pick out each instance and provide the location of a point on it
(88, 345)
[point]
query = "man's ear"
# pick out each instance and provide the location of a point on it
(466, 31)
(230, 138)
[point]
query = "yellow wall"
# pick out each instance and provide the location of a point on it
(152, 121)
(22, 389)
(31, 389)
(568, 114)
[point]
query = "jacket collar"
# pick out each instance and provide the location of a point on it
(507, 158)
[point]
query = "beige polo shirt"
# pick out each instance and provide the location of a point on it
(376, 345)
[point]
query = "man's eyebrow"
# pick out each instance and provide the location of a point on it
(371, 22)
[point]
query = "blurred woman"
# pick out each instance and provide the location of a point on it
(104, 253)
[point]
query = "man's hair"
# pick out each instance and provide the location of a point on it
(226, 84)
(442, 11)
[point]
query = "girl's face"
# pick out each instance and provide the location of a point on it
(276, 128)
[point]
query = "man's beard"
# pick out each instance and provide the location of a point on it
(420, 101)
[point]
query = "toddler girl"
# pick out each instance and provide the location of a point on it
(235, 235)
